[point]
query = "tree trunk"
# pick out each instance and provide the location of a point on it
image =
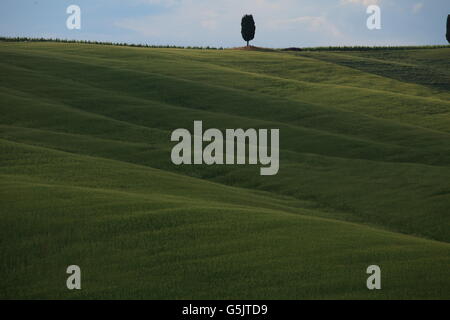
(248, 43)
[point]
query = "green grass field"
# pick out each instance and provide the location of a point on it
(86, 176)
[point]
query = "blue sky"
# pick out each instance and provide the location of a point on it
(280, 23)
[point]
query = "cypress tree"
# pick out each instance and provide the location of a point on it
(248, 28)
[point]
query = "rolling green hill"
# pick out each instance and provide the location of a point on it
(86, 176)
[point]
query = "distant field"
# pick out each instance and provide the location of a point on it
(86, 176)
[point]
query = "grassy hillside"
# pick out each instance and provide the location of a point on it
(87, 178)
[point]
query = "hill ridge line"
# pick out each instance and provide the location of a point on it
(264, 75)
(231, 205)
(408, 125)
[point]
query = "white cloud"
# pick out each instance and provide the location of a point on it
(165, 3)
(361, 2)
(313, 24)
(417, 7)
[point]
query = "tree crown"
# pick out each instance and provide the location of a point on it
(248, 27)
(448, 28)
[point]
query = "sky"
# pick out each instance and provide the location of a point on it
(279, 23)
